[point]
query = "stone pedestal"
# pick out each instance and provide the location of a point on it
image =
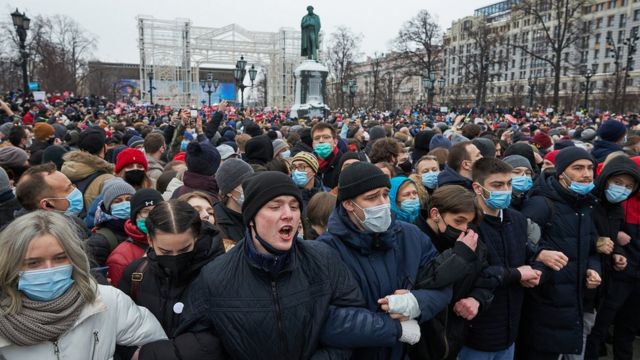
(311, 90)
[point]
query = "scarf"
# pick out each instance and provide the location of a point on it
(135, 234)
(324, 163)
(40, 321)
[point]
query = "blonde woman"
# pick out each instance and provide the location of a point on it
(50, 307)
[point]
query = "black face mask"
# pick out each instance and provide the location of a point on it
(134, 177)
(450, 234)
(406, 167)
(174, 266)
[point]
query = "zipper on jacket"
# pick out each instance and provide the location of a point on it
(283, 342)
(56, 349)
(446, 340)
(96, 340)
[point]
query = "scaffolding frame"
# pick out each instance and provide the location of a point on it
(175, 50)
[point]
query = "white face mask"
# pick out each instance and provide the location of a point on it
(377, 219)
(366, 136)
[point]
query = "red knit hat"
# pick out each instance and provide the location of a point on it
(551, 156)
(181, 156)
(542, 140)
(130, 156)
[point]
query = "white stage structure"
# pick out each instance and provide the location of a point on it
(174, 50)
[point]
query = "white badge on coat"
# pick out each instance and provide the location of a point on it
(178, 307)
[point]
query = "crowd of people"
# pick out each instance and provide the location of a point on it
(135, 232)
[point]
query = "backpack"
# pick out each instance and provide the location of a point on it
(110, 236)
(136, 278)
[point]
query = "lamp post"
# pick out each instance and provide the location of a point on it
(428, 83)
(150, 74)
(239, 73)
(351, 88)
(441, 84)
(587, 76)
(630, 42)
(208, 85)
(21, 23)
(532, 90)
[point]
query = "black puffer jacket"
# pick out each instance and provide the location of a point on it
(463, 268)
(163, 295)
(257, 315)
(555, 311)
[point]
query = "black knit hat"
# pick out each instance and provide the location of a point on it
(567, 156)
(358, 178)
(202, 158)
(263, 187)
(143, 198)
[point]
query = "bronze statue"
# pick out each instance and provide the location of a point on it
(310, 29)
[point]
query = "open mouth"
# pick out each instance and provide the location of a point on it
(286, 231)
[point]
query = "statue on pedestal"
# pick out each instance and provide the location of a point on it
(310, 28)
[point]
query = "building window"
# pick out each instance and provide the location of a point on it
(610, 20)
(636, 15)
(623, 20)
(598, 23)
(596, 53)
(606, 68)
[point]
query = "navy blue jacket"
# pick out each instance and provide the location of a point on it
(448, 176)
(383, 263)
(496, 328)
(556, 306)
(260, 315)
(602, 148)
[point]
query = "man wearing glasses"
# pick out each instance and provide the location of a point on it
(327, 152)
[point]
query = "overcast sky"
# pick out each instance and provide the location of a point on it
(114, 21)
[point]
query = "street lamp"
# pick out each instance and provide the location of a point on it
(21, 23)
(208, 85)
(351, 88)
(150, 74)
(239, 74)
(587, 87)
(429, 83)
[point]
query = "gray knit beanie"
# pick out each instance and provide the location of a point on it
(231, 174)
(114, 188)
(518, 161)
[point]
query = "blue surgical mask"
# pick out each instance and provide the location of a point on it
(617, 193)
(45, 284)
(521, 183)
(121, 210)
(286, 154)
(377, 219)
(498, 199)
(76, 203)
(430, 179)
(411, 207)
(142, 225)
(300, 178)
(323, 150)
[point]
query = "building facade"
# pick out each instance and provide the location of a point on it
(603, 56)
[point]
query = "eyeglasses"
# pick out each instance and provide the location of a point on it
(322, 137)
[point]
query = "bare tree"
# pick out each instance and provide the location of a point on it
(483, 59)
(342, 52)
(420, 42)
(557, 27)
(59, 49)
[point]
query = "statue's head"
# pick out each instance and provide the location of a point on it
(310, 9)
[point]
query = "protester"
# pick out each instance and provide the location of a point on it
(203, 205)
(326, 149)
(52, 307)
(9, 204)
(228, 211)
(459, 164)
(304, 170)
(136, 244)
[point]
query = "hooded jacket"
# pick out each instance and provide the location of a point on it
(193, 181)
(554, 316)
(396, 184)
(80, 165)
(383, 263)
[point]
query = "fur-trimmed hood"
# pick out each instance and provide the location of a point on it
(80, 164)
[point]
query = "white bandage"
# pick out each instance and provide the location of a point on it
(405, 304)
(410, 332)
